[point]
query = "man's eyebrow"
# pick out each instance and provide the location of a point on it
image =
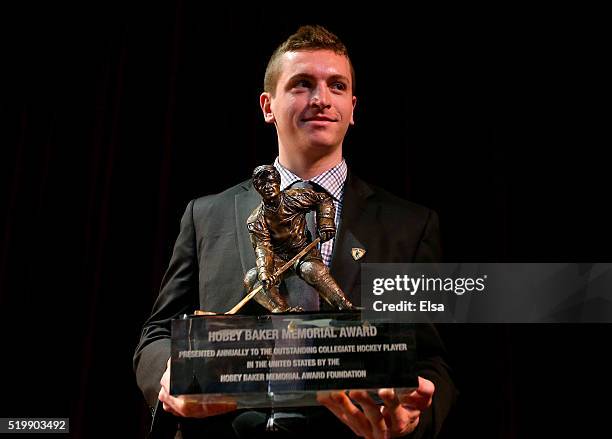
(300, 76)
(338, 77)
(335, 77)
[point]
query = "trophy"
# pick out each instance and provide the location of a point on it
(283, 358)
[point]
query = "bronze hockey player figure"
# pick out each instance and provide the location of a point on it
(278, 232)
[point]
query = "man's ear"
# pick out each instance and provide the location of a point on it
(265, 102)
(353, 112)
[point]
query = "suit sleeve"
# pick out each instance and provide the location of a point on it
(429, 248)
(178, 295)
(431, 365)
(431, 351)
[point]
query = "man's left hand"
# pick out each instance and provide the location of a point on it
(398, 417)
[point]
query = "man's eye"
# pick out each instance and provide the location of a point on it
(339, 86)
(302, 83)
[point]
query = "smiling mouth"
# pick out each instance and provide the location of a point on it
(319, 119)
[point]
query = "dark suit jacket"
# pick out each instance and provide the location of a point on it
(213, 252)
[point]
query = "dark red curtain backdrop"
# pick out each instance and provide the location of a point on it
(114, 116)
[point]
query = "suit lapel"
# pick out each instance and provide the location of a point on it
(355, 216)
(245, 203)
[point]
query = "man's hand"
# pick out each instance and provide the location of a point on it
(326, 235)
(188, 409)
(398, 417)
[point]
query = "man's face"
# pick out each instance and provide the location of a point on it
(269, 188)
(313, 103)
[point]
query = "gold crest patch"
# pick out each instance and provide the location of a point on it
(357, 253)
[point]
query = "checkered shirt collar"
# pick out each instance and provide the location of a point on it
(331, 180)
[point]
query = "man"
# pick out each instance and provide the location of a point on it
(309, 98)
(278, 231)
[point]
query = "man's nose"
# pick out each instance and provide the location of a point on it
(321, 97)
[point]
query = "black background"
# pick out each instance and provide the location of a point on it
(114, 116)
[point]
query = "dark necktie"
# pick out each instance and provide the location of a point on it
(300, 293)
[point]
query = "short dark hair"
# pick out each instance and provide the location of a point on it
(262, 172)
(311, 37)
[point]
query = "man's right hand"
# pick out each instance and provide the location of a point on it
(189, 409)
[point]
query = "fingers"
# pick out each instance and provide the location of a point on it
(389, 397)
(420, 398)
(402, 412)
(339, 404)
(165, 379)
(368, 422)
(187, 408)
(325, 399)
(373, 413)
(167, 402)
(399, 418)
(193, 409)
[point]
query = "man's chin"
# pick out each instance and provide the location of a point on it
(322, 143)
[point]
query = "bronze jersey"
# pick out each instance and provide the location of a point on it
(281, 232)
